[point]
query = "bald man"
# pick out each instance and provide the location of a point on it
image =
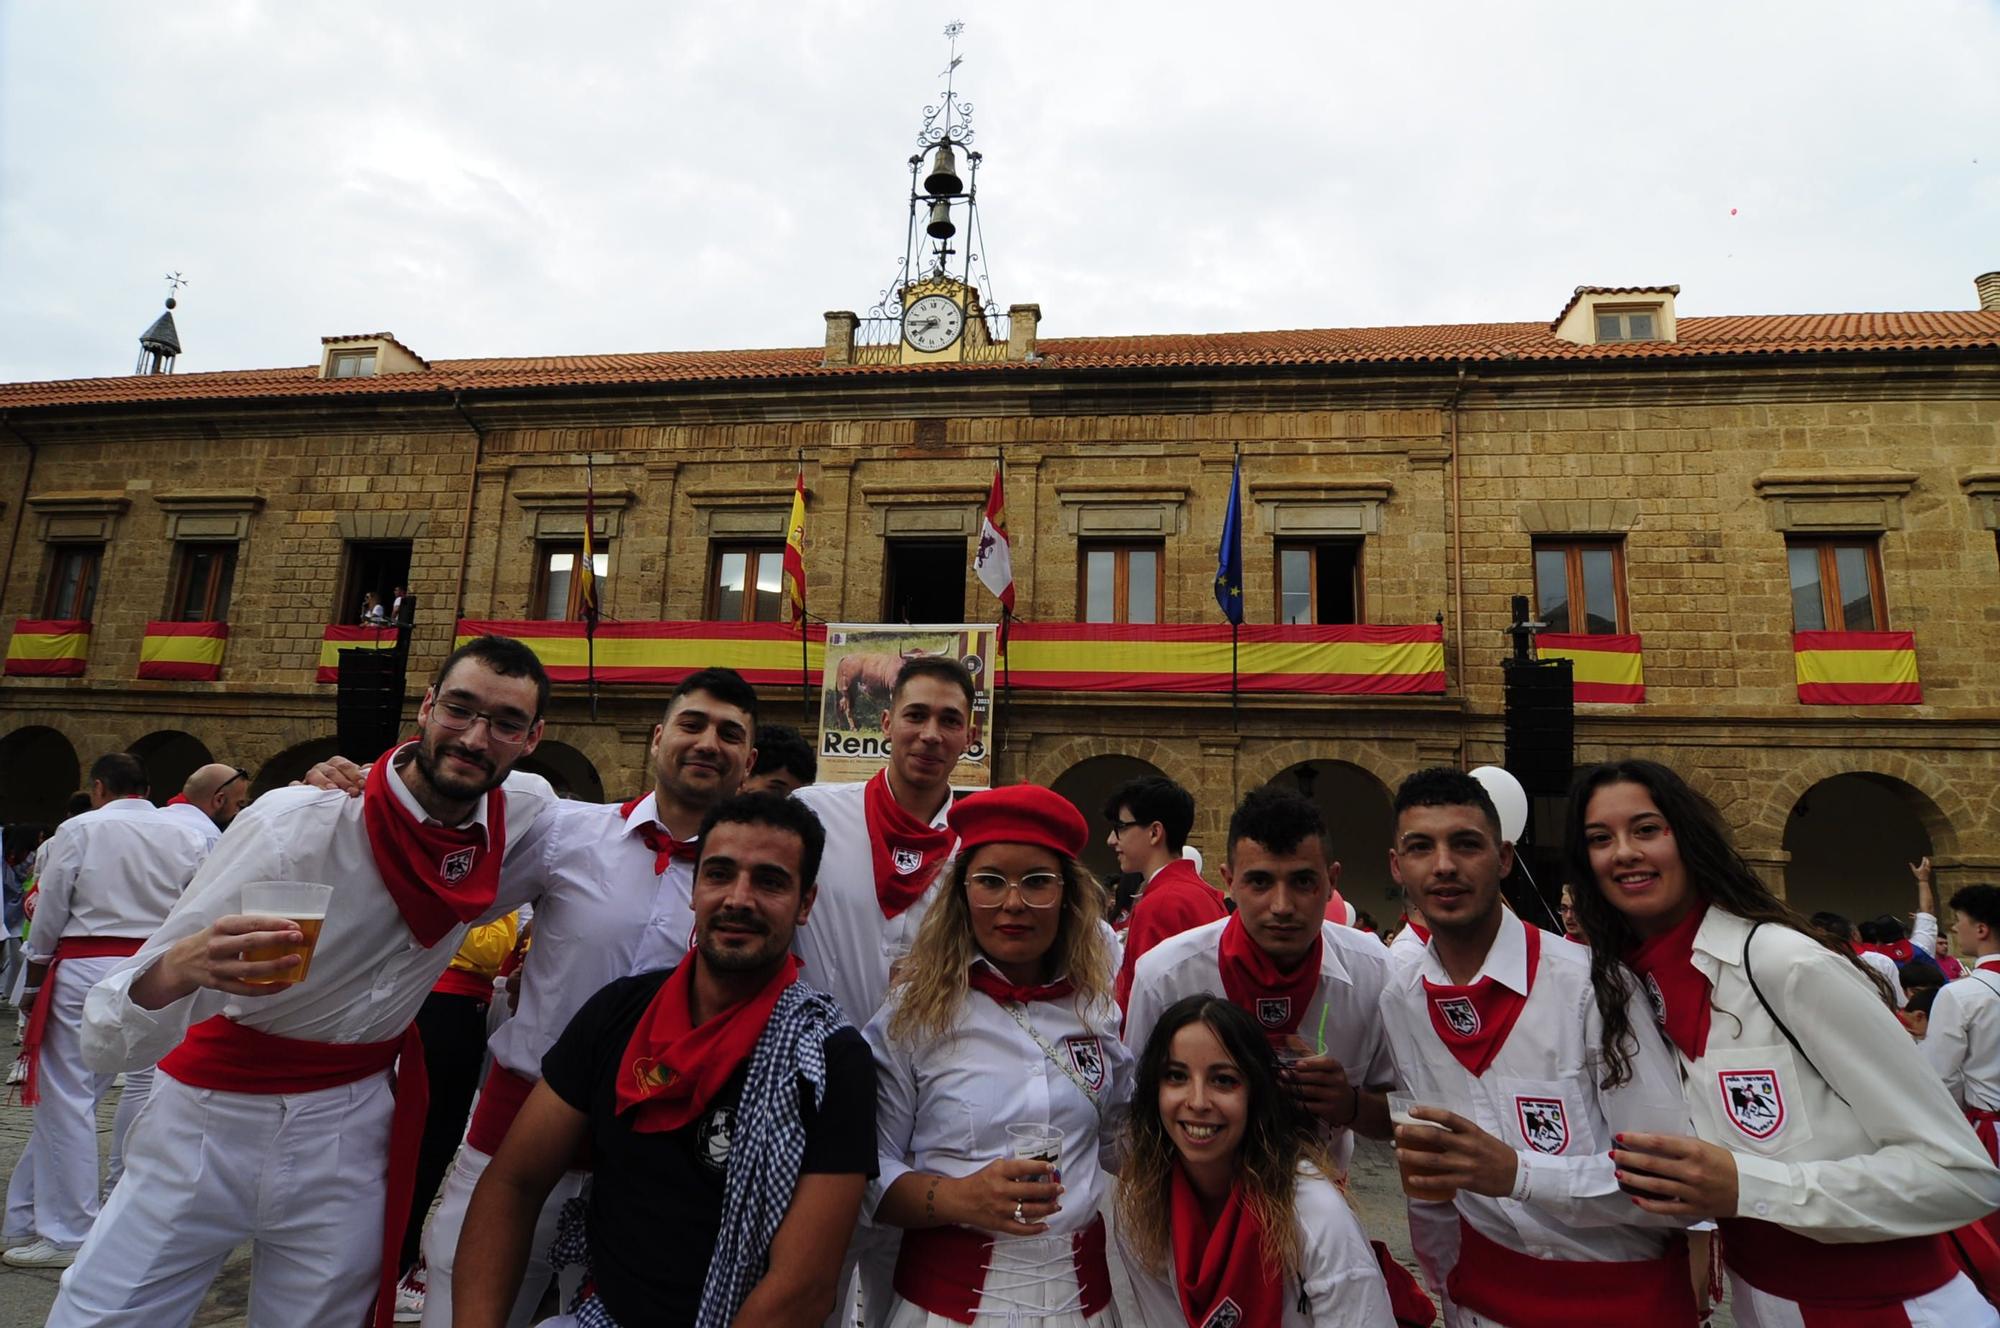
(209, 800)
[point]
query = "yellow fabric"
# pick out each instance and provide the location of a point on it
(485, 947)
(624, 652)
(42, 645)
(1622, 668)
(329, 651)
(1182, 657)
(182, 649)
(1872, 666)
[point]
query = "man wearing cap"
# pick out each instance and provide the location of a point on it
(209, 800)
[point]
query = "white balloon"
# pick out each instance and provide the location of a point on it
(1509, 799)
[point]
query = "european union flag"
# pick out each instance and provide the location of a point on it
(1229, 557)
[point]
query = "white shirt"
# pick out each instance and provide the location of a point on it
(1891, 976)
(847, 945)
(943, 1106)
(195, 819)
(1924, 932)
(1342, 1283)
(1896, 1158)
(369, 974)
(114, 871)
(1407, 948)
(1341, 1020)
(602, 914)
(1963, 1044)
(1566, 1202)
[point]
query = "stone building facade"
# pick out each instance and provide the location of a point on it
(1417, 472)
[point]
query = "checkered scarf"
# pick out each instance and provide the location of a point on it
(757, 1191)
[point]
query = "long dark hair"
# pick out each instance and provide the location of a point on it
(1716, 871)
(1277, 1136)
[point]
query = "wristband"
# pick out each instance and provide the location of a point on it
(1354, 1108)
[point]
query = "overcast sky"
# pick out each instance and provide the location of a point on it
(516, 179)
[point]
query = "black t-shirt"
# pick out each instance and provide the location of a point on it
(656, 1199)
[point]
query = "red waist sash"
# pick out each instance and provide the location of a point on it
(500, 1100)
(69, 947)
(464, 982)
(1985, 1124)
(222, 1054)
(1528, 1292)
(1878, 1274)
(942, 1270)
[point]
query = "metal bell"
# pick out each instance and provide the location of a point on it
(943, 179)
(941, 226)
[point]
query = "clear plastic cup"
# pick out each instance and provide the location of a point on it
(1033, 1140)
(1399, 1114)
(304, 904)
(1642, 1117)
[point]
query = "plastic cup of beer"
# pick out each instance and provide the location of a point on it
(1399, 1114)
(1644, 1117)
(1042, 1143)
(304, 904)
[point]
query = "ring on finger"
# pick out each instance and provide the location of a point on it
(1019, 1219)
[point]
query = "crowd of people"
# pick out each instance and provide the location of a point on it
(749, 1049)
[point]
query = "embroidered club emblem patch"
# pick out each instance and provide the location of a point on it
(1226, 1315)
(1753, 1101)
(455, 867)
(1658, 998)
(906, 860)
(1543, 1123)
(1086, 1056)
(1272, 1012)
(1461, 1016)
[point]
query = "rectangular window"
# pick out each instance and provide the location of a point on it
(924, 581)
(558, 589)
(1836, 586)
(747, 583)
(1628, 324)
(1120, 583)
(352, 364)
(202, 583)
(1319, 583)
(72, 588)
(370, 567)
(1580, 586)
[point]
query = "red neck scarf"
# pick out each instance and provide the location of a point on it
(1223, 1263)
(438, 875)
(1253, 981)
(1988, 961)
(1473, 1022)
(673, 1067)
(1417, 929)
(179, 800)
(907, 852)
(985, 979)
(661, 840)
(1679, 990)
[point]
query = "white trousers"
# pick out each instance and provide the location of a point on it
(868, 1268)
(53, 1191)
(448, 1219)
(300, 1174)
(1956, 1304)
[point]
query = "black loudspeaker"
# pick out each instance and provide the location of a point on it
(1541, 724)
(368, 703)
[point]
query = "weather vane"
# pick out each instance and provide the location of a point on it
(174, 282)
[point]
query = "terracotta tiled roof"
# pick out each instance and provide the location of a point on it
(1471, 343)
(1582, 291)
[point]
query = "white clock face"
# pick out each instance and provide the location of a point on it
(933, 322)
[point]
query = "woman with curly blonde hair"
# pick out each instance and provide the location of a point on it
(1002, 1082)
(1226, 1197)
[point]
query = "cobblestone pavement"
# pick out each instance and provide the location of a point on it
(25, 1296)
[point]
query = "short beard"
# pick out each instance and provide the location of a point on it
(739, 961)
(428, 764)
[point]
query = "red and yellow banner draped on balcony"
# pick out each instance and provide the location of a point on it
(338, 639)
(1605, 667)
(183, 651)
(48, 648)
(1090, 657)
(1857, 668)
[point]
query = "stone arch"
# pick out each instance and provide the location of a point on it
(572, 773)
(1046, 764)
(1360, 824)
(1848, 841)
(1940, 807)
(292, 763)
(169, 756)
(1087, 784)
(39, 769)
(1277, 758)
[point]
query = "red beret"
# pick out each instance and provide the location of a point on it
(1019, 814)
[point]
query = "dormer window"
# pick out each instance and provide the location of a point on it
(369, 355)
(1634, 323)
(351, 364)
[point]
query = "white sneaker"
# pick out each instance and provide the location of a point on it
(41, 1254)
(410, 1297)
(14, 1240)
(18, 1073)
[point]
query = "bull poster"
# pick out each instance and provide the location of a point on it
(861, 664)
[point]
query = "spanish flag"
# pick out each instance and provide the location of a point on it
(1166, 657)
(1857, 668)
(339, 638)
(1607, 668)
(183, 651)
(766, 654)
(795, 552)
(48, 648)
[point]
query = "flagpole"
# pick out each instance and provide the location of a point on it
(1236, 618)
(590, 571)
(805, 619)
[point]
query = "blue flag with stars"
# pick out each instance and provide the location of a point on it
(1229, 557)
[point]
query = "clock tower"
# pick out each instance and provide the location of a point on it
(938, 308)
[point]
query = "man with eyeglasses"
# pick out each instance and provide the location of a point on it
(1150, 819)
(108, 878)
(274, 1118)
(210, 800)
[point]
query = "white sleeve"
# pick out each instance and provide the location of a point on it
(1927, 1173)
(52, 894)
(1945, 1046)
(1142, 1009)
(1115, 1099)
(1341, 1281)
(1924, 932)
(118, 1034)
(895, 1107)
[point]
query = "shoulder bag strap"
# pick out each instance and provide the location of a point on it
(1751, 973)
